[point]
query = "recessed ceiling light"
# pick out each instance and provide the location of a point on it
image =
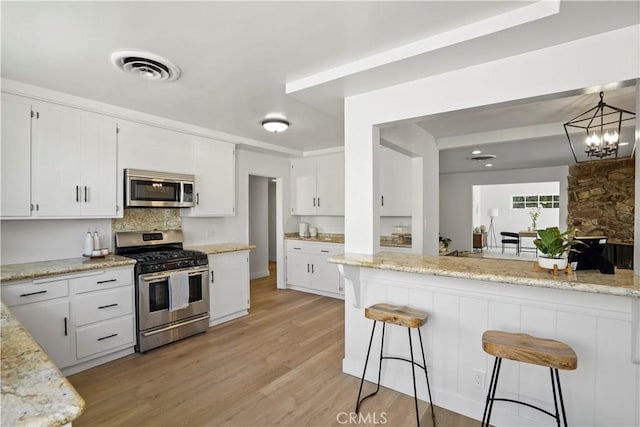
(474, 152)
(488, 165)
(483, 157)
(275, 125)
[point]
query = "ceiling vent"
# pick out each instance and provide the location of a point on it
(482, 157)
(145, 65)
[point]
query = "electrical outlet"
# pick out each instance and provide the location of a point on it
(478, 378)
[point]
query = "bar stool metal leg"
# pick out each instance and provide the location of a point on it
(564, 414)
(555, 398)
(364, 371)
(426, 374)
(413, 373)
(491, 393)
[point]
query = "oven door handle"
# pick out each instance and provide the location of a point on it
(164, 275)
(168, 328)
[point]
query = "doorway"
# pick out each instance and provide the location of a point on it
(262, 224)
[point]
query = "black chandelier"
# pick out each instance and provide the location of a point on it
(602, 125)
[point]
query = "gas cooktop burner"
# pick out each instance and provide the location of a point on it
(166, 255)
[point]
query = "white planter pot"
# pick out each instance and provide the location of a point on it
(548, 263)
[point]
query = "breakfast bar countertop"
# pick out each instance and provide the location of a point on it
(622, 283)
(34, 391)
(32, 270)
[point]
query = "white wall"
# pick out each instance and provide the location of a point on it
(48, 239)
(259, 226)
(498, 196)
(456, 199)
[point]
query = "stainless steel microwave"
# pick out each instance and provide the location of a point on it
(158, 189)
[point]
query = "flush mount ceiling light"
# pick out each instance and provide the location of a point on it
(275, 125)
(146, 65)
(602, 125)
(474, 152)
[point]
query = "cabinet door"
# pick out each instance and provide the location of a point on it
(229, 283)
(395, 183)
(98, 165)
(16, 157)
(324, 276)
(48, 323)
(215, 170)
(298, 269)
(385, 176)
(402, 199)
(330, 185)
(303, 187)
(56, 134)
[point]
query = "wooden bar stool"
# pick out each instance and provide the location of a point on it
(402, 316)
(525, 348)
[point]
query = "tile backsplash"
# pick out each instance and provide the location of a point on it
(147, 219)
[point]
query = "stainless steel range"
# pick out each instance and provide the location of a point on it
(164, 270)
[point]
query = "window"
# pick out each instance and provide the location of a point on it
(547, 201)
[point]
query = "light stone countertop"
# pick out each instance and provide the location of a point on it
(339, 238)
(622, 283)
(32, 270)
(34, 391)
(220, 248)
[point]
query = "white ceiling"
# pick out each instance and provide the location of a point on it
(243, 60)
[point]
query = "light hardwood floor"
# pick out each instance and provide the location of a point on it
(279, 366)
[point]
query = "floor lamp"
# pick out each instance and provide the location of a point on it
(492, 232)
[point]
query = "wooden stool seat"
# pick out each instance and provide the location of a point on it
(397, 315)
(525, 348)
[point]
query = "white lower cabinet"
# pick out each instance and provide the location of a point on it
(228, 286)
(80, 320)
(308, 269)
(49, 324)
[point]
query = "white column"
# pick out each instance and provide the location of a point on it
(361, 214)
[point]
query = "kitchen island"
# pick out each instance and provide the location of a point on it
(34, 391)
(598, 315)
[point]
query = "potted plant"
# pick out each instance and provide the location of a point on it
(444, 243)
(554, 246)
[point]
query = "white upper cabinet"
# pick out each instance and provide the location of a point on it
(317, 185)
(395, 183)
(16, 157)
(72, 161)
(215, 171)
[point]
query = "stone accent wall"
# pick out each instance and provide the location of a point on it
(148, 219)
(601, 199)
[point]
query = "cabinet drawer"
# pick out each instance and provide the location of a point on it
(106, 280)
(28, 292)
(104, 336)
(317, 248)
(97, 306)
